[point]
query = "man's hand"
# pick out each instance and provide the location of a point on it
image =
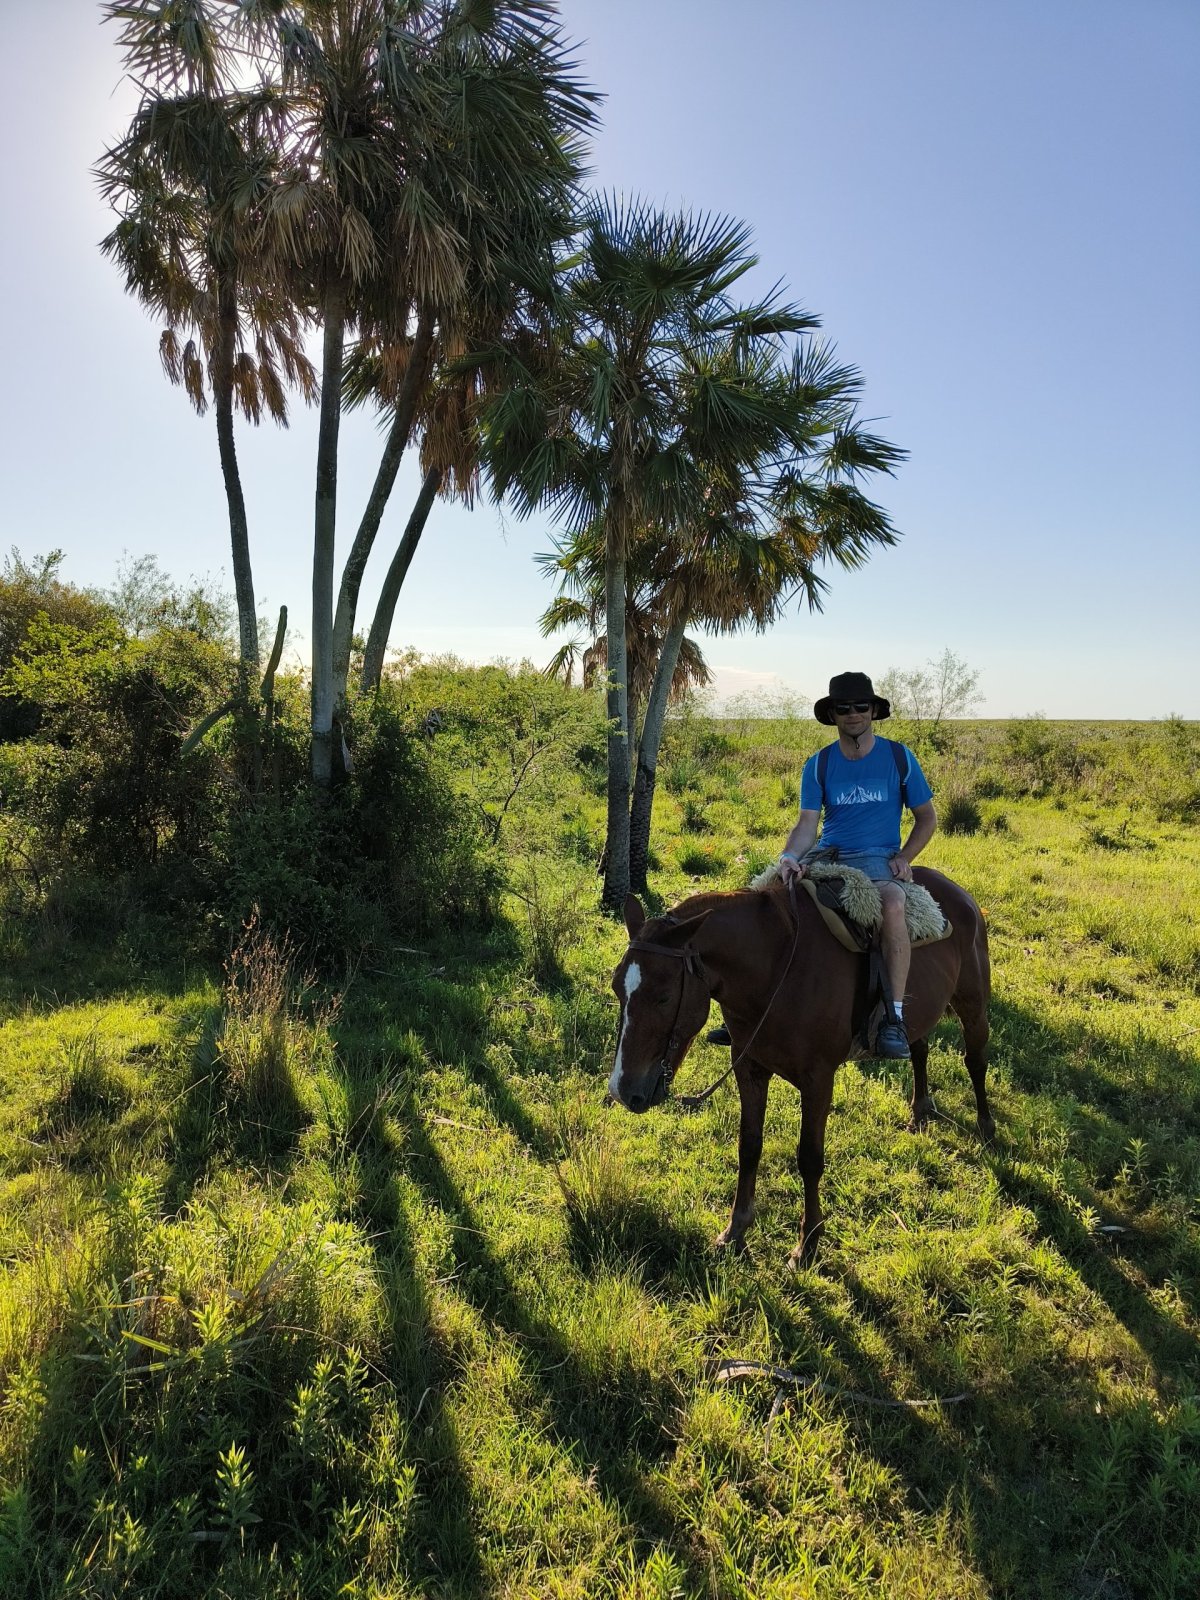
(789, 869)
(901, 868)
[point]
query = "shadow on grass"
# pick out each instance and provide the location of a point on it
(616, 1426)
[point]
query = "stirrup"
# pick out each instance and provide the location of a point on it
(719, 1035)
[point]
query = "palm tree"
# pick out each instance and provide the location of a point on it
(579, 565)
(190, 182)
(397, 161)
(430, 139)
(597, 433)
(769, 512)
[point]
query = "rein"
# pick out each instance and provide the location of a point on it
(693, 1102)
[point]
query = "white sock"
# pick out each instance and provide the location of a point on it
(898, 1008)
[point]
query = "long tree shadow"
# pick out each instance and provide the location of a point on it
(1101, 1113)
(612, 1426)
(441, 1554)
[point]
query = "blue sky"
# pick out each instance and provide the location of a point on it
(992, 208)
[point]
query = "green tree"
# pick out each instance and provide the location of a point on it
(928, 697)
(435, 140)
(395, 162)
(764, 523)
(607, 431)
(189, 182)
(32, 590)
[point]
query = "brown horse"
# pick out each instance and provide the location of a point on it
(786, 988)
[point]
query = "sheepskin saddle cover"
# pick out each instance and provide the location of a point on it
(859, 900)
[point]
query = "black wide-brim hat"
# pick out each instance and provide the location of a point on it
(850, 686)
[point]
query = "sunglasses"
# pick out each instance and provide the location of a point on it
(843, 708)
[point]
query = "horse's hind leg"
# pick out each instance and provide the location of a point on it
(973, 1015)
(752, 1088)
(922, 1100)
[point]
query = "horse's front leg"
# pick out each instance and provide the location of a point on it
(816, 1096)
(922, 1100)
(752, 1088)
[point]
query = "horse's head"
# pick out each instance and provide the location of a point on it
(664, 998)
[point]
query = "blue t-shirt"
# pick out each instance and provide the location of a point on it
(862, 798)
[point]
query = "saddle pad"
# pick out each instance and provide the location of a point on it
(851, 909)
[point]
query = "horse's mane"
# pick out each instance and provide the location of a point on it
(696, 905)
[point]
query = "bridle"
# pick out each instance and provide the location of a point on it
(692, 968)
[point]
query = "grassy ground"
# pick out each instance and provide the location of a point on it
(370, 1293)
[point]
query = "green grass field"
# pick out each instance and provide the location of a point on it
(367, 1292)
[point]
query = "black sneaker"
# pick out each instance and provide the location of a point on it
(719, 1035)
(891, 1042)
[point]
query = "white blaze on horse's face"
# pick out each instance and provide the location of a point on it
(633, 976)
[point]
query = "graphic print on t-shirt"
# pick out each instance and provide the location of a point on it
(859, 795)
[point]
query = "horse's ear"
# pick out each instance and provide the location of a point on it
(635, 917)
(680, 932)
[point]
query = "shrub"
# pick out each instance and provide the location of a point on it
(30, 591)
(106, 788)
(425, 847)
(512, 742)
(694, 819)
(682, 772)
(701, 861)
(554, 908)
(961, 814)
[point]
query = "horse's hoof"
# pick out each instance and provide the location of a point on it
(730, 1244)
(987, 1130)
(923, 1113)
(801, 1259)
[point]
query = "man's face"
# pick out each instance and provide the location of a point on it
(853, 716)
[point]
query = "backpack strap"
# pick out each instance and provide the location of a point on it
(899, 756)
(822, 769)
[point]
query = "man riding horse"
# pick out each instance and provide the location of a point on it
(787, 989)
(860, 785)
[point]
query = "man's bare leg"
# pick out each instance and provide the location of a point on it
(897, 956)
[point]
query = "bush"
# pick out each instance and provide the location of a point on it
(424, 844)
(554, 906)
(30, 591)
(961, 814)
(393, 849)
(106, 787)
(105, 813)
(701, 861)
(514, 742)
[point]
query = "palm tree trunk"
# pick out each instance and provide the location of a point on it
(368, 528)
(616, 849)
(324, 534)
(647, 761)
(239, 533)
(381, 626)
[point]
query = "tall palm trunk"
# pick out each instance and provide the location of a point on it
(616, 850)
(239, 533)
(381, 626)
(647, 760)
(368, 528)
(324, 535)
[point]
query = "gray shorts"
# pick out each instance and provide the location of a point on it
(874, 863)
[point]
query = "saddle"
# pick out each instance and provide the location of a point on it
(851, 909)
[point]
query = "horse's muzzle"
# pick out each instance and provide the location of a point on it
(655, 1095)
